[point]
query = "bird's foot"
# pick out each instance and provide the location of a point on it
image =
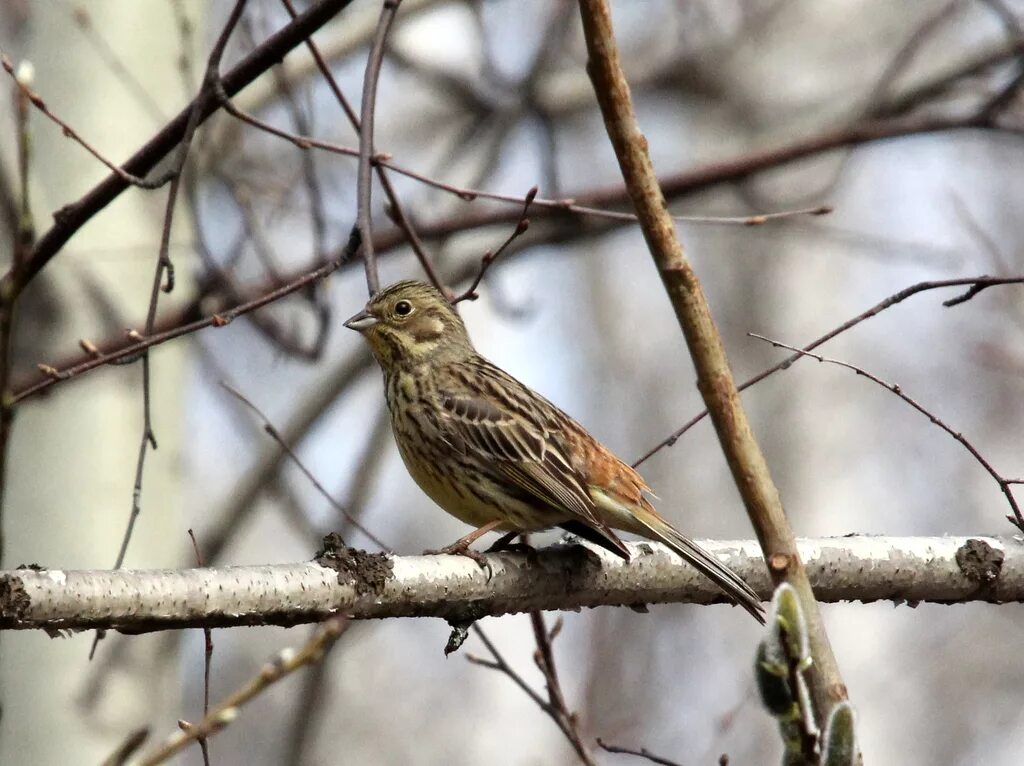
(461, 548)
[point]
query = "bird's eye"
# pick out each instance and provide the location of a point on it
(403, 308)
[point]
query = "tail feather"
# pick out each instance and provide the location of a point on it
(731, 583)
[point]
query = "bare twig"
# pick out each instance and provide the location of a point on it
(243, 496)
(71, 218)
(220, 319)
(643, 752)
(554, 707)
(286, 663)
(80, 14)
(490, 257)
(274, 434)
(1004, 484)
(310, 707)
(976, 285)
(38, 102)
(468, 194)
(396, 210)
(165, 268)
(366, 116)
(569, 205)
(545, 659)
(126, 749)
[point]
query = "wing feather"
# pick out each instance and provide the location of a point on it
(501, 423)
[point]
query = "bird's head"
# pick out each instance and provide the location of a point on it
(410, 323)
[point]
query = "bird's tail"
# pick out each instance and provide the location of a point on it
(651, 525)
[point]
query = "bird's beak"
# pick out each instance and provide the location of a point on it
(361, 322)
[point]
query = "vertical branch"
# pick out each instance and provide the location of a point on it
(714, 377)
(365, 220)
(24, 238)
(397, 212)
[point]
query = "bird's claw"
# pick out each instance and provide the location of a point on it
(463, 549)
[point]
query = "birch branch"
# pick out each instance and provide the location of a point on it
(566, 576)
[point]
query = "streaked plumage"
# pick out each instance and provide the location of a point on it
(488, 449)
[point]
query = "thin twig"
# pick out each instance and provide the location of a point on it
(165, 267)
(127, 748)
(225, 280)
(643, 752)
(220, 319)
(564, 720)
(976, 285)
(469, 194)
(310, 409)
(286, 663)
(310, 706)
(274, 434)
(570, 205)
(366, 117)
(80, 14)
(38, 102)
(69, 219)
(396, 209)
(1004, 484)
(489, 257)
(545, 659)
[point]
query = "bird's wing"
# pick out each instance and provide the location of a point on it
(503, 422)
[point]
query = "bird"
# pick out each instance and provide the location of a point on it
(499, 456)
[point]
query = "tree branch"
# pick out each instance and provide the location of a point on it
(865, 568)
(70, 218)
(714, 376)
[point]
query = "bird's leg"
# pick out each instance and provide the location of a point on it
(504, 543)
(461, 546)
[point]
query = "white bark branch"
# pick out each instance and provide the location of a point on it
(902, 569)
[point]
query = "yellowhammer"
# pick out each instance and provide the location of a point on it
(497, 455)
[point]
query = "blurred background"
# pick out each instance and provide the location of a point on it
(905, 117)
